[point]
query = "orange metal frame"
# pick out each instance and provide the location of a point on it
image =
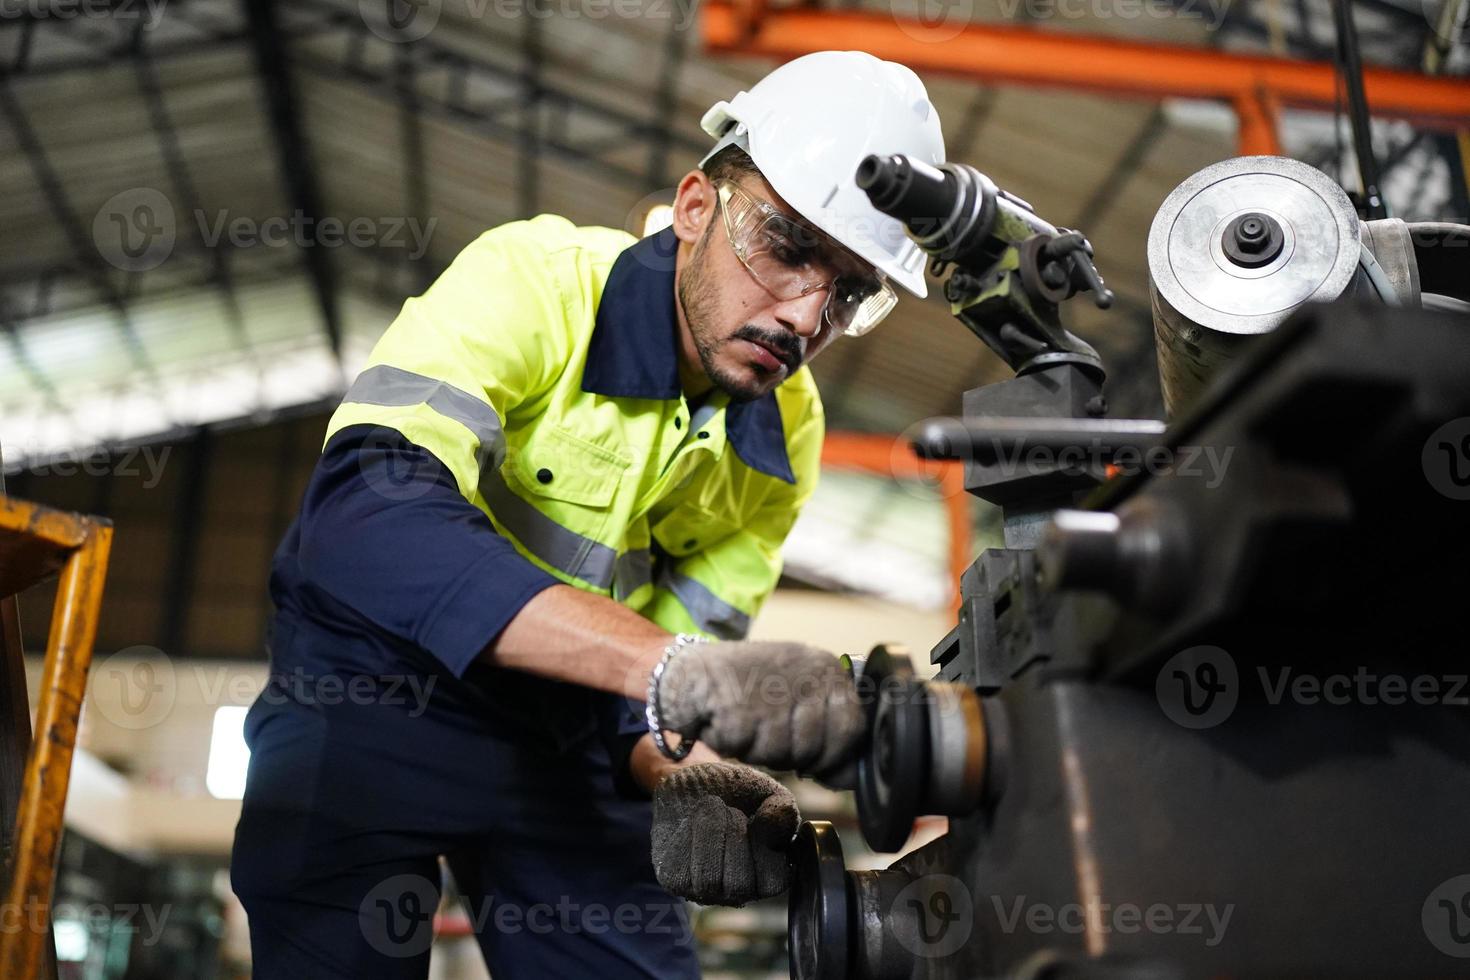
(35, 543)
(892, 457)
(1255, 86)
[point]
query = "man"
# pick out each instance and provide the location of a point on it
(571, 447)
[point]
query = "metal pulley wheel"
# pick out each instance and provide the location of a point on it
(1233, 251)
(818, 909)
(927, 749)
(846, 925)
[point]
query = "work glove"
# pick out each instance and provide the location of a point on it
(784, 706)
(720, 833)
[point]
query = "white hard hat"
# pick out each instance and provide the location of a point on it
(808, 124)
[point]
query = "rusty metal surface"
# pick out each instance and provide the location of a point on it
(15, 720)
(24, 950)
(35, 542)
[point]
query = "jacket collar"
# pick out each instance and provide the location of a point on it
(634, 352)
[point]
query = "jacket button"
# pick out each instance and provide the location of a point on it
(678, 422)
(544, 475)
(703, 434)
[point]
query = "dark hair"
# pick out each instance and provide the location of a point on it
(731, 163)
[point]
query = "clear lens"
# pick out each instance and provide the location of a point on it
(790, 261)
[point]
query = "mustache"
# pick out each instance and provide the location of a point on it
(786, 346)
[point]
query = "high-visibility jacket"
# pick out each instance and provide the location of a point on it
(541, 370)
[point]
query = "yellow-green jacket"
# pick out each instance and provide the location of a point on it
(541, 370)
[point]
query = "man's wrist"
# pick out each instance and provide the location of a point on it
(642, 658)
(648, 766)
(654, 710)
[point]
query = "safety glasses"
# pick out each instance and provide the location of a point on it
(790, 259)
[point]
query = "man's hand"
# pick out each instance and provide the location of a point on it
(779, 705)
(720, 833)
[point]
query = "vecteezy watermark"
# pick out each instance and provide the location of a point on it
(1212, 12)
(397, 916)
(400, 21)
(569, 917)
(1198, 687)
(933, 916)
(681, 12)
(150, 12)
(138, 687)
(1203, 919)
(1364, 687)
(137, 230)
(301, 230)
(1446, 917)
(937, 21)
(1017, 455)
(1446, 459)
(146, 922)
(932, 21)
(135, 688)
(411, 691)
(405, 21)
(137, 461)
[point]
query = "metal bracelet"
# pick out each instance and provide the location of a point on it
(652, 711)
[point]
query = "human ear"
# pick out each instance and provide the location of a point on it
(694, 206)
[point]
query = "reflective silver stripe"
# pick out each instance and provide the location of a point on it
(562, 549)
(383, 384)
(634, 569)
(709, 612)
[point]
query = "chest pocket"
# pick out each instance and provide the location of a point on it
(557, 465)
(689, 527)
(566, 490)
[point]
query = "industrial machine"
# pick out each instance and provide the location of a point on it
(1206, 713)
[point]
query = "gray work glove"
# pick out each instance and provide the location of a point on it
(720, 833)
(779, 705)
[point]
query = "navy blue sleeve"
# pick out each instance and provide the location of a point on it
(621, 724)
(385, 531)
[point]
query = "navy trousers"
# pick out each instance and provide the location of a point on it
(348, 807)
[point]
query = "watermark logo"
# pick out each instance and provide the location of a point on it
(1446, 459)
(1018, 455)
(1365, 687)
(394, 469)
(1198, 687)
(304, 231)
(649, 215)
(933, 916)
(1203, 919)
(145, 923)
(569, 917)
(1446, 917)
(150, 12)
(933, 21)
(400, 21)
(135, 230)
(147, 462)
(134, 688)
(397, 916)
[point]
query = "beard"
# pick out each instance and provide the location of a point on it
(698, 296)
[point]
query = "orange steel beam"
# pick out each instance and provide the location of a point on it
(892, 457)
(1026, 56)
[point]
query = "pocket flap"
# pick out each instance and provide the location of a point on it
(561, 466)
